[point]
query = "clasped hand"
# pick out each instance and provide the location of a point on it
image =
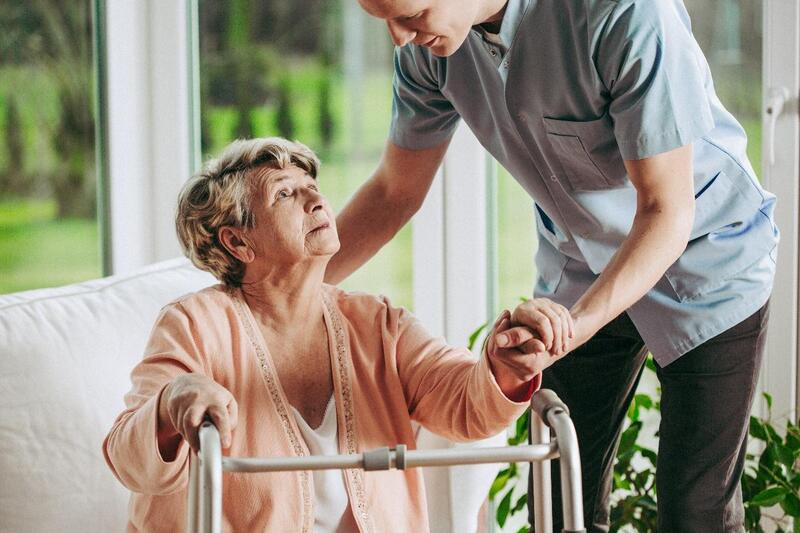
(524, 342)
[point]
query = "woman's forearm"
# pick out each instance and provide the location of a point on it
(167, 436)
(133, 450)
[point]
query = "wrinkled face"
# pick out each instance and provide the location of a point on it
(441, 25)
(293, 221)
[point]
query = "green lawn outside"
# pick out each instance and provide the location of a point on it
(36, 250)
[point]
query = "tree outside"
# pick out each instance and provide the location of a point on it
(48, 228)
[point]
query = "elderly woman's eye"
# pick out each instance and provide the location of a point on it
(283, 193)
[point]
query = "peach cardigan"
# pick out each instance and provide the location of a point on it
(387, 371)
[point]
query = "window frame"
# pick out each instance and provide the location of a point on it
(781, 60)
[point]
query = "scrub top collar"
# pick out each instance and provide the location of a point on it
(514, 12)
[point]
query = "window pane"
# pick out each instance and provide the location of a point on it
(328, 86)
(731, 35)
(49, 233)
(516, 241)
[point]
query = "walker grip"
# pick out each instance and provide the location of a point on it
(544, 401)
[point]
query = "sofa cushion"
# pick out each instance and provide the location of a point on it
(65, 359)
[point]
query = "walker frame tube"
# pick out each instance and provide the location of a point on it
(205, 468)
(540, 475)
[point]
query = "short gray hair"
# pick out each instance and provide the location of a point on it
(220, 195)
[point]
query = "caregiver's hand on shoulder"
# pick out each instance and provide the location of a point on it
(184, 403)
(521, 358)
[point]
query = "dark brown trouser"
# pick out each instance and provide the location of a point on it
(706, 397)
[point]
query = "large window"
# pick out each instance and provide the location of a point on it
(730, 32)
(48, 225)
(315, 71)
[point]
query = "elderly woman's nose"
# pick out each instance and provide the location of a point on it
(314, 200)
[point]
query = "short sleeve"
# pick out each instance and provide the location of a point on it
(421, 115)
(656, 76)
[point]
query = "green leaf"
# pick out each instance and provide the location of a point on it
(771, 432)
(624, 484)
(757, 430)
(522, 502)
(650, 455)
(752, 518)
(644, 400)
(769, 497)
(499, 483)
(633, 411)
(522, 422)
(792, 436)
(648, 503)
(650, 363)
(474, 336)
(785, 455)
(503, 508)
(768, 397)
(524, 529)
(642, 478)
(768, 457)
(791, 505)
(629, 437)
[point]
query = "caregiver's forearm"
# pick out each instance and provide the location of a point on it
(369, 220)
(657, 238)
(383, 205)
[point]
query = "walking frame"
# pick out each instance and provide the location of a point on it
(548, 412)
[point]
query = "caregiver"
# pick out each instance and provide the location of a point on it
(652, 226)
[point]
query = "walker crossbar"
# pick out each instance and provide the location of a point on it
(205, 469)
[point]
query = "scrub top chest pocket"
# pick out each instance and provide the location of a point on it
(587, 152)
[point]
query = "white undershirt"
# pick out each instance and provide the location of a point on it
(332, 513)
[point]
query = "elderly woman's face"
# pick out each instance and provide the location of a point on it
(293, 221)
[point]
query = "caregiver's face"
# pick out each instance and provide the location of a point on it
(293, 221)
(441, 25)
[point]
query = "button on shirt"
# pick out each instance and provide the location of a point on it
(560, 97)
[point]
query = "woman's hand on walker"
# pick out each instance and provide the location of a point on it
(186, 401)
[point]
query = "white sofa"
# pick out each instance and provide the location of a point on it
(65, 359)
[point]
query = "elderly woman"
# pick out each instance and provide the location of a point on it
(286, 365)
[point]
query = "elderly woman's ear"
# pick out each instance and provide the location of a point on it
(235, 242)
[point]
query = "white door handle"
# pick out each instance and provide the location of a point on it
(775, 102)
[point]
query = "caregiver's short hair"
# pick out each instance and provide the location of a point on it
(221, 194)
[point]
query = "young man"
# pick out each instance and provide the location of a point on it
(653, 228)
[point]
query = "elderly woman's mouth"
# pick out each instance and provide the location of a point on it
(324, 225)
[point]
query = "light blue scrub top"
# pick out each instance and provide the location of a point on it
(564, 93)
